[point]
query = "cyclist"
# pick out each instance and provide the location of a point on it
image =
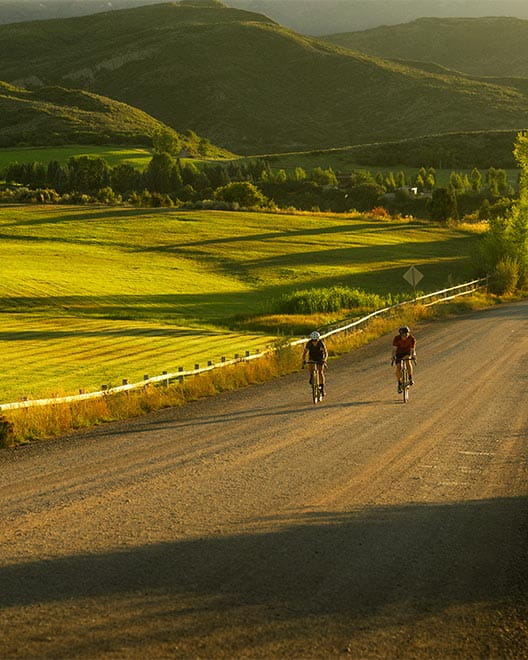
(403, 348)
(317, 353)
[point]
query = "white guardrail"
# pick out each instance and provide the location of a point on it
(165, 378)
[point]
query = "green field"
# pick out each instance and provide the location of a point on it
(137, 157)
(94, 295)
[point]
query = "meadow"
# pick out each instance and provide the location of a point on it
(138, 157)
(92, 295)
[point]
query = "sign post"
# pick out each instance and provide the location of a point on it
(413, 276)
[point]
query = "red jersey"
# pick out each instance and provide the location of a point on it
(404, 344)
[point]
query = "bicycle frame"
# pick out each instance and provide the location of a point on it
(405, 379)
(316, 389)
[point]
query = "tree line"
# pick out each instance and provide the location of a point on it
(169, 181)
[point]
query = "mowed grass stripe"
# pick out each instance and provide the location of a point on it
(65, 360)
(90, 295)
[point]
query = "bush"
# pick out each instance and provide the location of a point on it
(244, 193)
(505, 276)
(331, 299)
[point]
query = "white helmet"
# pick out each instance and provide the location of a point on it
(315, 335)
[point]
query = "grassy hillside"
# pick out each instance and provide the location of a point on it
(91, 296)
(58, 116)
(248, 84)
(482, 149)
(492, 46)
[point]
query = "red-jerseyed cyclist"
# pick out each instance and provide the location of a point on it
(403, 348)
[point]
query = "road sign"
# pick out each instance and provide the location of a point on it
(413, 276)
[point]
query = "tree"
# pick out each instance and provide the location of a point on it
(124, 178)
(299, 174)
(166, 141)
(503, 250)
(57, 176)
(161, 174)
(324, 177)
(444, 205)
(242, 192)
(475, 180)
(88, 174)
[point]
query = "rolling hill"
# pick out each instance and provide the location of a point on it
(318, 17)
(247, 83)
(56, 116)
(492, 47)
(315, 17)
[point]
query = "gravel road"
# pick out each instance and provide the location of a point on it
(257, 525)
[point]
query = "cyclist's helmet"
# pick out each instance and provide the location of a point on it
(315, 335)
(404, 330)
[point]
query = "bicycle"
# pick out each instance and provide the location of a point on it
(315, 382)
(405, 378)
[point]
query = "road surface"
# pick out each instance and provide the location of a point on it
(257, 525)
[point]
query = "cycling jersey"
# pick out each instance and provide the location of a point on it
(404, 345)
(316, 350)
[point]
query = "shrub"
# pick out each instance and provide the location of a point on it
(505, 276)
(331, 299)
(244, 193)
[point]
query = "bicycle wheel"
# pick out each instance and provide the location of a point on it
(315, 387)
(405, 382)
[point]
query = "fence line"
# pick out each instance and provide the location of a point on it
(165, 378)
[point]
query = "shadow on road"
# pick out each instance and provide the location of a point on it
(411, 560)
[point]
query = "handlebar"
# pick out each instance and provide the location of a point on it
(412, 357)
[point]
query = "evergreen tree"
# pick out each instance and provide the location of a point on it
(475, 180)
(444, 205)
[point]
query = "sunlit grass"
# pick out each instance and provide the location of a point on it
(139, 157)
(93, 295)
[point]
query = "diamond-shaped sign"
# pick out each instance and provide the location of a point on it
(413, 276)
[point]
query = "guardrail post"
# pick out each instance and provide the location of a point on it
(222, 359)
(124, 381)
(180, 378)
(166, 381)
(209, 363)
(248, 353)
(104, 388)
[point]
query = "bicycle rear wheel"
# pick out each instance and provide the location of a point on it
(315, 389)
(405, 382)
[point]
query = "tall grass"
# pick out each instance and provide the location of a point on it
(332, 299)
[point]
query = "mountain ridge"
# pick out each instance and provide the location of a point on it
(248, 84)
(485, 47)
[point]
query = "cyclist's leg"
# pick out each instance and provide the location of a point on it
(320, 368)
(311, 369)
(398, 369)
(409, 368)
